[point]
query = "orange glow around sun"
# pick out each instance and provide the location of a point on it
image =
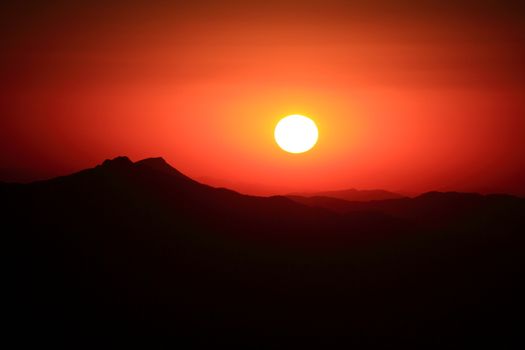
(405, 101)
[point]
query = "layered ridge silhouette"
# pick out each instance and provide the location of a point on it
(352, 194)
(139, 245)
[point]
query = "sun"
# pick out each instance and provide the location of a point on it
(296, 133)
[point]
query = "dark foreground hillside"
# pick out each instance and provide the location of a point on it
(139, 246)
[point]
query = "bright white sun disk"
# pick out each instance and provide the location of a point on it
(296, 133)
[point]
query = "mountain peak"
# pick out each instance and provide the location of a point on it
(117, 162)
(158, 161)
(157, 164)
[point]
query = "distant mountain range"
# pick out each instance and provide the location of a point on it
(139, 246)
(352, 195)
(432, 208)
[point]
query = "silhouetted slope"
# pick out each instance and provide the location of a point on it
(140, 246)
(432, 208)
(154, 182)
(353, 195)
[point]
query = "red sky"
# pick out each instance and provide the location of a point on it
(408, 96)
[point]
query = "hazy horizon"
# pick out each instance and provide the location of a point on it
(408, 96)
(246, 187)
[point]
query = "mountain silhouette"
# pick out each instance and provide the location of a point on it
(431, 208)
(352, 194)
(139, 246)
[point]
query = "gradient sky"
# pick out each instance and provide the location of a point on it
(408, 96)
